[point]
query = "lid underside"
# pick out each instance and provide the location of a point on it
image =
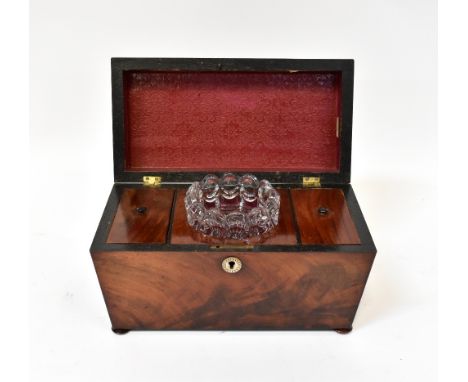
(182, 117)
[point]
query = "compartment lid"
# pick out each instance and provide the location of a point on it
(282, 119)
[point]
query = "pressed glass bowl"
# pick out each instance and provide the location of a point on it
(232, 207)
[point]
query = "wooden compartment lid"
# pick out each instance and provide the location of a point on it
(282, 119)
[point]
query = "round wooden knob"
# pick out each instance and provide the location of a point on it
(323, 211)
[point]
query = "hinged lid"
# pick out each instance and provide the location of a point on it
(286, 120)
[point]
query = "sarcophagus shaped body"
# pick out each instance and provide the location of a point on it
(288, 121)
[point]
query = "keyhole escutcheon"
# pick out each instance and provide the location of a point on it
(231, 265)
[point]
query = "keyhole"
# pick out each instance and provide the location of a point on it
(231, 264)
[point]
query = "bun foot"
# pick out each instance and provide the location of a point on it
(120, 331)
(343, 330)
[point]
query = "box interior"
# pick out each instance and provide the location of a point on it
(188, 121)
(157, 216)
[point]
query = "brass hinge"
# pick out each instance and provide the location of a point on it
(152, 181)
(311, 181)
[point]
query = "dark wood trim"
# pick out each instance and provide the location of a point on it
(296, 227)
(107, 218)
(230, 64)
(190, 177)
(112, 247)
(339, 331)
(118, 120)
(120, 65)
(358, 217)
(171, 219)
(347, 90)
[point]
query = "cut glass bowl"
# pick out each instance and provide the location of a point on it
(232, 207)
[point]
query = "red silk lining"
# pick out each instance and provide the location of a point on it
(238, 121)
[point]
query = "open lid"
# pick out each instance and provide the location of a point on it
(280, 119)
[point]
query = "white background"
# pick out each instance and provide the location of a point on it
(393, 166)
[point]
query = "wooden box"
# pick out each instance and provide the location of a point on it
(288, 121)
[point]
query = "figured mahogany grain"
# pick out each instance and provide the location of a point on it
(283, 234)
(190, 290)
(142, 216)
(336, 226)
